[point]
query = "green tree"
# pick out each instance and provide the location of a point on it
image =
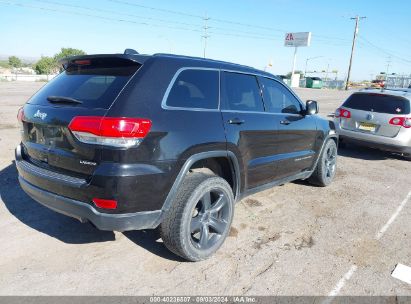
(67, 52)
(46, 65)
(4, 64)
(14, 61)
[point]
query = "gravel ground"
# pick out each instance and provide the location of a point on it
(294, 239)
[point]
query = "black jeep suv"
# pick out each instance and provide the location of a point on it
(130, 141)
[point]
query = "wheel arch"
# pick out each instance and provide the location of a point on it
(202, 157)
(330, 135)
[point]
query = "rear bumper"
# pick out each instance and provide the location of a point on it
(129, 184)
(85, 212)
(400, 143)
(139, 205)
(376, 145)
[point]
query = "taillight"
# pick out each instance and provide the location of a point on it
(342, 113)
(401, 121)
(105, 203)
(20, 115)
(82, 62)
(111, 131)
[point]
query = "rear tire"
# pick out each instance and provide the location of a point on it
(200, 217)
(326, 167)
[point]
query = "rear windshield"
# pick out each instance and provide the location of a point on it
(380, 103)
(94, 82)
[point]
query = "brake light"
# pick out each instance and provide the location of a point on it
(112, 131)
(342, 113)
(82, 62)
(20, 115)
(401, 121)
(105, 203)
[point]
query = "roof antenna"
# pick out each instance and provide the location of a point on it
(130, 52)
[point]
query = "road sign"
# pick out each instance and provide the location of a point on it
(297, 39)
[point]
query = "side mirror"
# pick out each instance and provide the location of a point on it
(311, 107)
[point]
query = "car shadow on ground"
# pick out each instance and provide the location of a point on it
(64, 228)
(150, 240)
(360, 152)
(42, 219)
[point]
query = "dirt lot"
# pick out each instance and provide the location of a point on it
(290, 240)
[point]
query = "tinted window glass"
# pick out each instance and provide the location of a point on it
(278, 98)
(195, 89)
(380, 103)
(95, 82)
(241, 92)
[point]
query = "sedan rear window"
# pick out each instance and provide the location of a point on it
(381, 103)
(94, 82)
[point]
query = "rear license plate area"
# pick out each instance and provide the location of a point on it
(366, 126)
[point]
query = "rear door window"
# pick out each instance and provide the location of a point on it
(240, 92)
(94, 82)
(278, 99)
(380, 103)
(195, 88)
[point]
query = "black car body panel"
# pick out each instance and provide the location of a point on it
(262, 148)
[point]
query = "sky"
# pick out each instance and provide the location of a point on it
(249, 32)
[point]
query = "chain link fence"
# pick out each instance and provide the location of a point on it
(394, 81)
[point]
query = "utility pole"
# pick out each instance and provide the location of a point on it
(326, 72)
(205, 35)
(388, 66)
(357, 19)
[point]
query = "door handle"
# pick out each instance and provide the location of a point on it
(285, 122)
(236, 121)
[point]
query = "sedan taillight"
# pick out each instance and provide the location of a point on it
(342, 113)
(401, 121)
(110, 131)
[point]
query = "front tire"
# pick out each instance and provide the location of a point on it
(200, 217)
(326, 167)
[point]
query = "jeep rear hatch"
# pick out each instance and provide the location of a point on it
(86, 88)
(94, 81)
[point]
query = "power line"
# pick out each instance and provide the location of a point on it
(217, 30)
(185, 26)
(248, 25)
(96, 16)
(77, 13)
(387, 52)
(250, 34)
(157, 9)
(382, 54)
(114, 12)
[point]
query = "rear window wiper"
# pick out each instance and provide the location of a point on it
(62, 99)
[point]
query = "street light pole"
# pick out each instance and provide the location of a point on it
(306, 62)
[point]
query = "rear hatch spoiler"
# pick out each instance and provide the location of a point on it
(83, 59)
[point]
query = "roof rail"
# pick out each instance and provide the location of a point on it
(130, 52)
